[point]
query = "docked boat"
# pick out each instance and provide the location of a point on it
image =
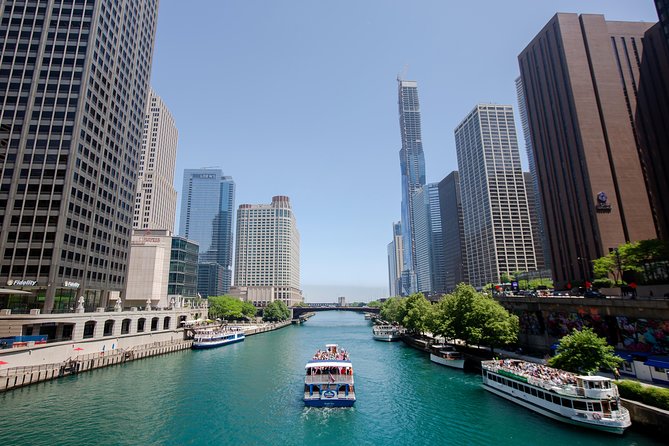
(386, 333)
(210, 338)
(588, 401)
(329, 379)
(447, 355)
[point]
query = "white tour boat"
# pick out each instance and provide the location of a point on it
(329, 379)
(588, 401)
(216, 337)
(447, 355)
(386, 333)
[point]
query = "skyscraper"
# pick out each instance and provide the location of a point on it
(453, 232)
(155, 206)
(498, 233)
(395, 260)
(663, 14)
(541, 245)
(579, 76)
(428, 238)
(74, 81)
(267, 253)
(412, 166)
(207, 206)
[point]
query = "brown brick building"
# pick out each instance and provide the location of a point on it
(581, 77)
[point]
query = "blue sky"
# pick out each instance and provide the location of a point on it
(299, 98)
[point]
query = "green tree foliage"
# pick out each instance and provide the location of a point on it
(631, 257)
(393, 309)
(227, 307)
(276, 311)
(506, 278)
(653, 396)
(249, 310)
(474, 318)
(374, 304)
(584, 352)
(417, 313)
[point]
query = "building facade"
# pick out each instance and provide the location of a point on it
(541, 245)
(453, 232)
(207, 210)
(498, 233)
(412, 167)
(267, 253)
(429, 253)
(182, 284)
(74, 82)
(579, 80)
(149, 267)
(156, 200)
(395, 265)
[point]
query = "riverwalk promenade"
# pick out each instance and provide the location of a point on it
(32, 364)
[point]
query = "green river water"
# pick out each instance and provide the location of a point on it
(250, 394)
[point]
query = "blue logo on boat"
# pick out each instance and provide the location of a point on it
(329, 394)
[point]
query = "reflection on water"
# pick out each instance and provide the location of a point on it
(250, 393)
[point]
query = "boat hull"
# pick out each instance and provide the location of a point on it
(214, 344)
(454, 363)
(549, 413)
(328, 402)
(386, 337)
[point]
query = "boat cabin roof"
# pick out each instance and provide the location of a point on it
(594, 378)
(328, 364)
(331, 345)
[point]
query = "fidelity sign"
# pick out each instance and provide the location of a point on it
(11, 282)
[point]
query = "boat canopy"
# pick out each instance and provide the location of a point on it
(594, 378)
(328, 364)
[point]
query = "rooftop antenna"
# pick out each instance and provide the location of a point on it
(403, 74)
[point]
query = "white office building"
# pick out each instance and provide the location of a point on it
(267, 254)
(156, 197)
(498, 231)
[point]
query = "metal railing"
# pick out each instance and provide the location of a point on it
(327, 378)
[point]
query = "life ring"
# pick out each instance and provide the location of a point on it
(329, 394)
(596, 416)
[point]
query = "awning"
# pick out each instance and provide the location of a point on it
(625, 355)
(11, 291)
(658, 361)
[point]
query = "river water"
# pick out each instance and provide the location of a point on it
(250, 394)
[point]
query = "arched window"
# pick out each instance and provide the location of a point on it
(89, 329)
(125, 326)
(109, 327)
(166, 323)
(154, 324)
(140, 325)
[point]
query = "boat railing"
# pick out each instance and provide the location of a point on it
(328, 378)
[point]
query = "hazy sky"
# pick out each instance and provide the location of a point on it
(299, 98)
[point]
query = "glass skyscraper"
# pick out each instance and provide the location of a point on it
(412, 165)
(207, 209)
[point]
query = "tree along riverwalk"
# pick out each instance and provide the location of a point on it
(22, 376)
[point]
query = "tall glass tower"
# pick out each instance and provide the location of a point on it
(207, 207)
(412, 165)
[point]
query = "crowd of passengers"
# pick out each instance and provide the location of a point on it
(331, 355)
(329, 370)
(539, 371)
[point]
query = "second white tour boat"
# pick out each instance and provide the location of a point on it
(588, 401)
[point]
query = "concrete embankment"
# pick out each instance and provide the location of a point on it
(648, 419)
(34, 373)
(23, 376)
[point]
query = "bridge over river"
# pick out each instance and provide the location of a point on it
(300, 311)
